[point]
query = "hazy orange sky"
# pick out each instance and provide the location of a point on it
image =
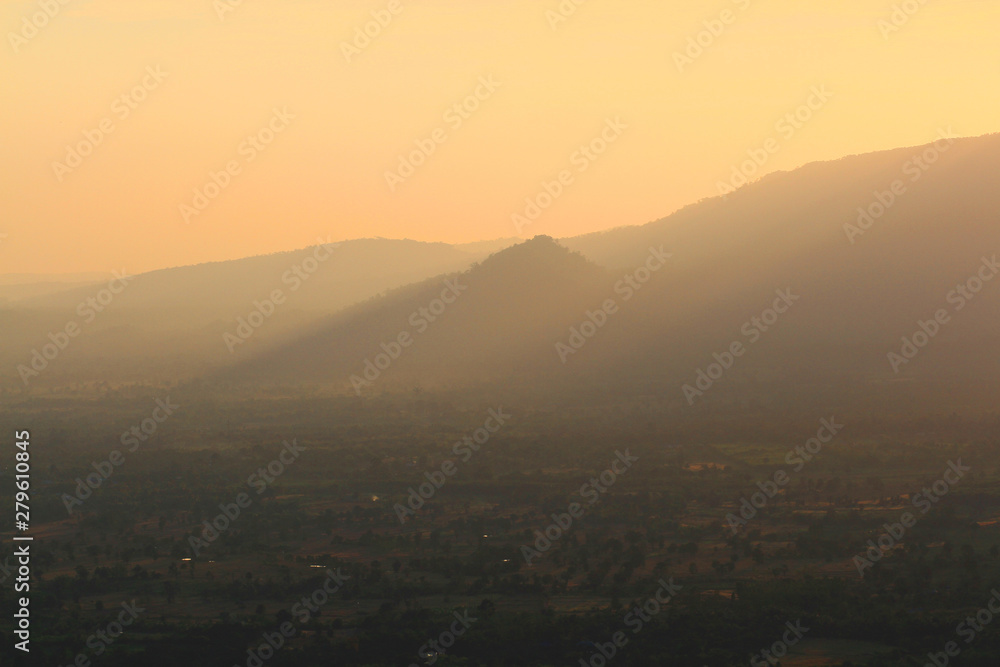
(222, 77)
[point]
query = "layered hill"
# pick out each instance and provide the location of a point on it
(872, 244)
(170, 323)
(496, 321)
(881, 265)
(866, 248)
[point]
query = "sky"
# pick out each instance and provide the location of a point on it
(144, 134)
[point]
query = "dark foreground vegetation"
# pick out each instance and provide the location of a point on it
(337, 557)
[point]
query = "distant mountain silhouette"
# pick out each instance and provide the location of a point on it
(171, 322)
(517, 322)
(506, 313)
(860, 287)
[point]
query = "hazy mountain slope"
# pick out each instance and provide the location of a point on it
(857, 293)
(505, 315)
(171, 322)
(355, 270)
(788, 230)
(12, 293)
(809, 205)
(854, 300)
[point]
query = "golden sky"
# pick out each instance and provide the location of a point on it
(338, 119)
